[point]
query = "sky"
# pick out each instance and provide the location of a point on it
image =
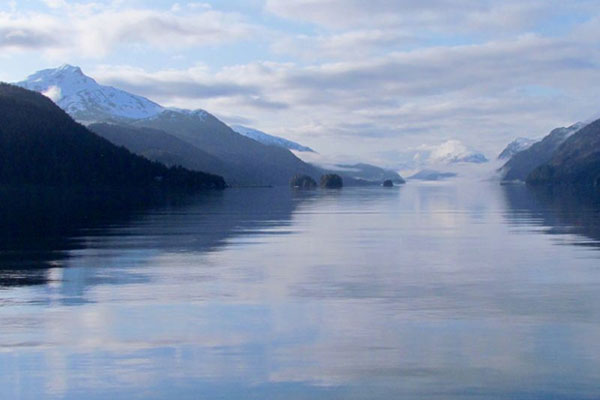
(372, 80)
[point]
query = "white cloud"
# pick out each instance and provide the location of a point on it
(347, 45)
(56, 3)
(95, 31)
(374, 78)
(429, 15)
(396, 101)
(53, 93)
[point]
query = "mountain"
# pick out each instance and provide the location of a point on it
(270, 140)
(446, 153)
(576, 161)
(160, 146)
(251, 162)
(84, 99)
(41, 144)
(241, 160)
(431, 175)
(369, 173)
(522, 163)
(453, 152)
(516, 146)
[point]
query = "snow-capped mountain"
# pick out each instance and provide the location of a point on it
(516, 146)
(270, 140)
(86, 100)
(162, 133)
(450, 152)
(518, 167)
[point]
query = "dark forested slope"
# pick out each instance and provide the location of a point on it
(41, 144)
(576, 161)
(522, 163)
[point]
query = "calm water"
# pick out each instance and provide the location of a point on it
(428, 291)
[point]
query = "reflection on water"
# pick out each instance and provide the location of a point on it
(41, 225)
(426, 291)
(561, 210)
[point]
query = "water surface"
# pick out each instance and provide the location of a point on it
(437, 291)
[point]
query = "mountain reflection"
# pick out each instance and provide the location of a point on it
(41, 228)
(562, 210)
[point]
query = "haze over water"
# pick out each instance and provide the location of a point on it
(437, 291)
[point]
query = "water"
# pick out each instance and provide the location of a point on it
(436, 291)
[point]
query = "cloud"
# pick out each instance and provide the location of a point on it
(82, 29)
(474, 93)
(346, 45)
(429, 15)
(163, 30)
(53, 93)
(24, 38)
(55, 3)
(180, 86)
(378, 77)
(193, 83)
(36, 32)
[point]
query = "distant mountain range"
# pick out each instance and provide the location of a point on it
(431, 175)
(194, 139)
(41, 144)
(244, 161)
(368, 172)
(190, 138)
(52, 148)
(270, 140)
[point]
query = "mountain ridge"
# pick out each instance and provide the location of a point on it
(519, 166)
(245, 161)
(271, 140)
(576, 161)
(85, 99)
(42, 144)
(516, 146)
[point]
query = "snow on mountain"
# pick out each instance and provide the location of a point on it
(516, 146)
(198, 113)
(450, 152)
(270, 140)
(86, 100)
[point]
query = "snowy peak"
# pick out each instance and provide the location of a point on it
(516, 146)
(66, 70)
(66, 78)
(86, 100)
(270, 140)
(452, 152)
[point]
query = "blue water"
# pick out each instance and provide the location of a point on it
(426, 291)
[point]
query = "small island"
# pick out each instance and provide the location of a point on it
(303, 182)
(331, 181)
(388, 183)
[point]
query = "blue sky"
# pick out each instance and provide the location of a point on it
(371, 80)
